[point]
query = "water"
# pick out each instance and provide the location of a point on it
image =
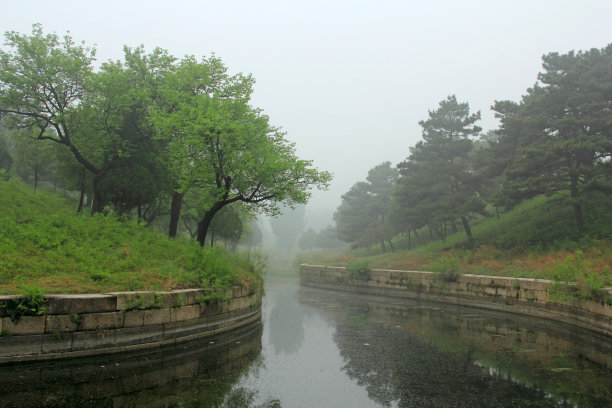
(327, 349)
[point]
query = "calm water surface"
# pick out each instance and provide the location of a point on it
(326, 349)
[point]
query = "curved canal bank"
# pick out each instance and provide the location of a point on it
(533, 297)
(85, 325)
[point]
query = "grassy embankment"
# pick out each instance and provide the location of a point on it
(46, 247)
(529, 241)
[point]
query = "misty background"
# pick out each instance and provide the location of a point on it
(347, 80)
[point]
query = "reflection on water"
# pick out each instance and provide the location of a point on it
(412, 354)
(198, 374)
(330, 349)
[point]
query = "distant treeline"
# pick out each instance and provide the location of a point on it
(555, 142)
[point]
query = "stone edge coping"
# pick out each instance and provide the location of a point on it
(122, 301)
(600, 320)
(212, 334)
(490, 280)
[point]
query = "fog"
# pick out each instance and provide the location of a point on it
(347, 80)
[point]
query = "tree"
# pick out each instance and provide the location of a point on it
(43, 79)
(6, 158)
(33, 158)
(252, 236)
(287, 227)
(308, 240)
(438, 184)
(228, 225)
(229, 152)
(559, 137)
(362, 217)
(48, 84)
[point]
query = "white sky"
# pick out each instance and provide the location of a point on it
(347, 80)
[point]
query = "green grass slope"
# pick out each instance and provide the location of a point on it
(45, 245)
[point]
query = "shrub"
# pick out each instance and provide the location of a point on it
(447, 268)
(578, 277)
(359, 270)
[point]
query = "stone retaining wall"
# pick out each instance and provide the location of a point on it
(81, 325)
(534, 297)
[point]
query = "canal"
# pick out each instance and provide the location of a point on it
(319, 348)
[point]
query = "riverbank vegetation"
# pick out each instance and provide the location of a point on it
(47, 247)
(149, 136)
(531, 198)
(173, 144)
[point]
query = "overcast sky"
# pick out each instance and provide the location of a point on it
(347, 80)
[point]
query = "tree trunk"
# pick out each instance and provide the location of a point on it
(467, 229)
(576, 202)
(81, 201)
(382, 246)
(97, 205)
(409, 241)
(391, 245)
(205, 223)
(175, 212)
(82, 195)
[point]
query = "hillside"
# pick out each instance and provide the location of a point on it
(530, 240)
(45, 246)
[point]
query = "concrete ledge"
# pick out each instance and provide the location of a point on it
(85, 325)
(517, 295)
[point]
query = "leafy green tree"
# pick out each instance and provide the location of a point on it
(362, 217)
(132, 172)
(438, 184)
(48, 84)
(227, 150)
(228, 225)
(34, 159)
(43, 80)
(559, 136)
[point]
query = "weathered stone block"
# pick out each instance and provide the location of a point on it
(26, 325)
(93, 339)
(20, 345)
(67, 304)
(101, 321)
(61, 323)
(133, 318)
(190, 327)
(526, 283)
(156, 316)
(178, 314)
(6, 300)
(139, 335)
(57, 342)
(137, 300)
(541, 285)
(541, 295)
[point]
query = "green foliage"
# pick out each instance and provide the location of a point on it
(43, 240)
(31, 303)
(447, 268)
(558, 137)
(359, 270)
(437, 183)
(577, 277)
(362, 217)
